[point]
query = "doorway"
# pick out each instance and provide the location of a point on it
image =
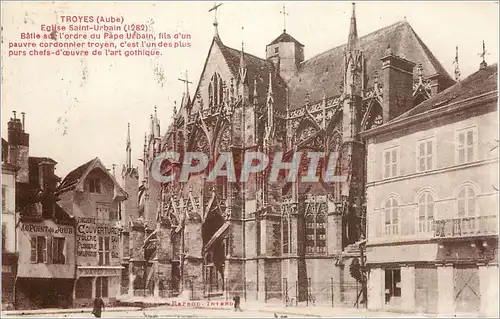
(393, 286)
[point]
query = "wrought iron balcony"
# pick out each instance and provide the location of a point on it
(466, 227)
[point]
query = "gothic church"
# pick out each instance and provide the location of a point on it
(271, 240)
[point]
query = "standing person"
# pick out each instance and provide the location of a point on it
(236, 300)
(98, 307)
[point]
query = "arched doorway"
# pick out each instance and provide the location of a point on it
(214, 253)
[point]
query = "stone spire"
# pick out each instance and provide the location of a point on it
(129, 148)
(255, 96)
(156, 124)
(243, 75)
(353, 41)
(270, 103)
(152, 125)
(353, 63)
(243, 66)
(186, 99)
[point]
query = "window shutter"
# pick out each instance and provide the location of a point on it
(33, 249)
(50, 244)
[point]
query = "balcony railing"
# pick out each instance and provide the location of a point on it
(466, 226)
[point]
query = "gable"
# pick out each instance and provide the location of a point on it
(225, 61)
(215, 63)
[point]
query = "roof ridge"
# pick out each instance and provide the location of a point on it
(246, 53)
(400, 22)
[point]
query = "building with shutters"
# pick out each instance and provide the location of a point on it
(432, 202)
(37, 230)
(91, 194)
(293, 241)
(9, 253)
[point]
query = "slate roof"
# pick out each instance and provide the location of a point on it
(256, 68)
(285, 37)
(325, 71)
(74, 176)
(476, 84)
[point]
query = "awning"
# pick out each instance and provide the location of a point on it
(219, 234)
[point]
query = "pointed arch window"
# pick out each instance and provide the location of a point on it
(215, 90)
(425, 213)
(321, 233)
(316, 228)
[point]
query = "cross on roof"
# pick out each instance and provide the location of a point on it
(284, 13)
(185, 80)
(457, 67)
(214, 8)
(484, 52)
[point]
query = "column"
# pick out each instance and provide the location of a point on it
(156, 290)
(408, 287)
(488, 279)
(261, 288)
(376, 289)
(131, 278)
(445, 289)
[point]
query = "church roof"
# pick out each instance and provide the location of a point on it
(481, 85)
(285, 37)
(256, 68)
(476, 84)
(324, 72)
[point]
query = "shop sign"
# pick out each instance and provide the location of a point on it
(89, 231)
(32, 228)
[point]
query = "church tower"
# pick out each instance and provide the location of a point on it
(130, 176)
(285, 53)
(352, 155)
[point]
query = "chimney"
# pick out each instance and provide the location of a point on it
(437, 84)
(22, 114)
(397, 81)
(46, 175)
(18, 153)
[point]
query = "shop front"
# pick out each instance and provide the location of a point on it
(46, 271)
(99, 267)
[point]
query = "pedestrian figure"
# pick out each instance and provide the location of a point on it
(236, 300)
(98, 307)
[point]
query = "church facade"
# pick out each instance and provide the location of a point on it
(294, 241)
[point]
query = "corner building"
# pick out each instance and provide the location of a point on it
(292, 241)
(432, 192)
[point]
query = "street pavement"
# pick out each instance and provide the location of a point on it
(253, 310)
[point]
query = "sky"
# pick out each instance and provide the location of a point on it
(77, 108)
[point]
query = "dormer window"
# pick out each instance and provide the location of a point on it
(215, 89)
(276, 50)
(94, 186)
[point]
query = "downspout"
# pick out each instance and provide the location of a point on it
(73, 295)
(16, 250)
